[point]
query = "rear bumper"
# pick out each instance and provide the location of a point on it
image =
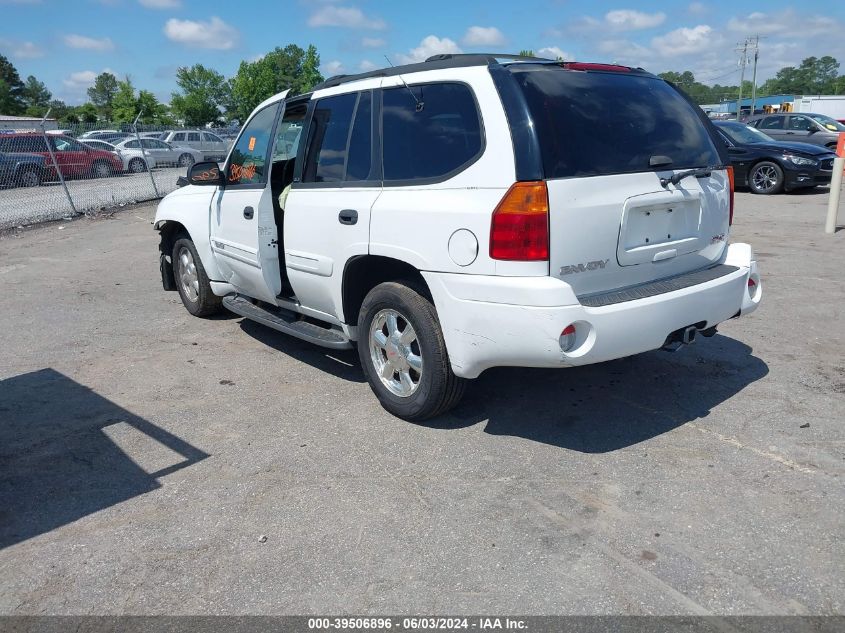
(506, 321)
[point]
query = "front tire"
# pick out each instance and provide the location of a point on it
(766, 178)
(191, 280)
(29, 178)
(186, 160)
(404, 355)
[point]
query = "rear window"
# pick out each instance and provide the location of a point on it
(594, 124)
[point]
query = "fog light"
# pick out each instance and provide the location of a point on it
(567, 338)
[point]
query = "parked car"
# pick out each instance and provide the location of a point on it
(212, 146)
(441, 246)
(818, 129)
(97, 133)
(98, 144)
(64, 132)
(133, 160)
(108, 136)
(73, 158)
(156, 135)
(21, 170)
(768, 166)
(163, 153)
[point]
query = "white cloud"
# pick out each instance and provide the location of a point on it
(333, 67)
(89, 43)
(628, 20)
(346, 17)
(784, 22)
(430, 45)
(161, 4)
(366, 66)
(684, 41)
(483, 36)
(373, 42)
(214, 34)
(553, 52)
(83, 79)
(21, 50)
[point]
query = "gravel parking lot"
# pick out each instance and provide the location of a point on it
(154, 463)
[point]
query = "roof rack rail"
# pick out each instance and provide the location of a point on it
(492, 58)
(435, 62)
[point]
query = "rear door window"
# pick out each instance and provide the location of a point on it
(340, 139)
(601, 123)
(429, 131)
(772, 123)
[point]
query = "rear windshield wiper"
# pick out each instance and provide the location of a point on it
(698, 172)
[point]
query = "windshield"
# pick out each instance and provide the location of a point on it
(831, 124)
(744, 134)
(601, 123)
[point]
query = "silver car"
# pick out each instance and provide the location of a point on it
(133, 159)
(800, 127)
(212, 146)
(163, 153)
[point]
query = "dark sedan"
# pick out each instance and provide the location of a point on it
(768, 166)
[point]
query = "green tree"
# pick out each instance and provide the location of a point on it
(86, 113)
(526, 52)
(102, 94)
(124, 104)
(282, 68)
(11, 89)
(204, 93)
(36, 97)
(152, 110)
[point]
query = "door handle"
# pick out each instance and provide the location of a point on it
(249, 212)
(348, 216)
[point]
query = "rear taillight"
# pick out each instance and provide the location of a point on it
(731, 182)
(567, 338)
(519, 230)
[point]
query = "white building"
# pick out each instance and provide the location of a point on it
(24, 123)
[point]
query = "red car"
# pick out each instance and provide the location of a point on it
(72, 157)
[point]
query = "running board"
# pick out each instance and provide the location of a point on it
(287, 322)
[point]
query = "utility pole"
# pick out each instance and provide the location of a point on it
(754, 77)
(743, 62)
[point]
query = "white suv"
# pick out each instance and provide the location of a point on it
(464, 213)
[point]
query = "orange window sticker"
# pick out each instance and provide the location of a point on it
(251, 143)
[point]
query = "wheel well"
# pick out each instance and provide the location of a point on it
(364, 273)
(169, 232)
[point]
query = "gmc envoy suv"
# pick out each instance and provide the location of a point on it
(467, 212)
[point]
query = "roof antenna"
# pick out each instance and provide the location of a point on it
(420, 104)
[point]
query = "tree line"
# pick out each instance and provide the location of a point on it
(204, 96)
(813, 76)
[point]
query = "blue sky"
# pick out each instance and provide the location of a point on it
(65, 43)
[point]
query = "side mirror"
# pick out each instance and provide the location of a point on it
(207, 173)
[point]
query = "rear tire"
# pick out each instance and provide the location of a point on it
(191, 280)
(404, 355)
(101, 169)
(766, 178)
(186, 160)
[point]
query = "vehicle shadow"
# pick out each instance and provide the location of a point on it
(593, 409)
(609, 406)
(57, 462)
(341, 363)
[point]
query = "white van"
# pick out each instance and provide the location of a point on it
(463, 213)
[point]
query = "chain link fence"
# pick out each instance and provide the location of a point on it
(51, 174)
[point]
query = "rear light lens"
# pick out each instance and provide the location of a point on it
(519, 230)
(752, 287)
(731, 182)
(567, 338)
(613, 68)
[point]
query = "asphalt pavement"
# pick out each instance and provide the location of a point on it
(155, 463)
